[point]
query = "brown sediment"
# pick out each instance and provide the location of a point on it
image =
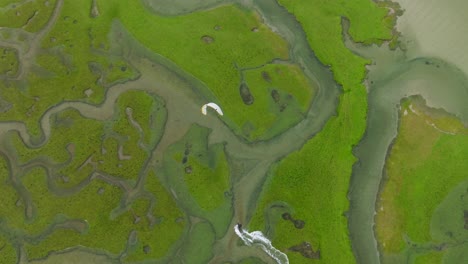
(94, 9)
(299, 224)
(207, 39)
(146, 249)
(277, 99)
(306, 250)
(286, 216)
(283, 107)
(275, 95)
(245, 94)
(266, 76)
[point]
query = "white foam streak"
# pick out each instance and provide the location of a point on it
(257, 238)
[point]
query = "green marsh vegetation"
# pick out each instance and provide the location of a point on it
(161, 228)
(88, 204)
(218, 41)
(9, 211)
(198, 247)
(72, 62)
(8, 61)
(203, 168)
(410, 206)
(208, 178)
(77, 57)
(95, 203)
(200, 176)
(118, 146)
(282, 95)
(7, 251)
(28, 15)
(325, 162)
(433, 257)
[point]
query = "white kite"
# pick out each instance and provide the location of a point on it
(212, 105)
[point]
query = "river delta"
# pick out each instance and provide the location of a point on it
(342, 138)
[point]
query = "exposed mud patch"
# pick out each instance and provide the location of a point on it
(306, 250)
(266, 76)
(275, 95)
(245, 94)
(299, 224)
(207, 39)
(146, 249)
(94, 10)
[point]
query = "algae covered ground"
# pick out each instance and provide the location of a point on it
(422, 204)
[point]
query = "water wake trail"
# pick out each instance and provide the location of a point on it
(257, 238)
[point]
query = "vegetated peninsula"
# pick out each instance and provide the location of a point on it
(423, 198)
